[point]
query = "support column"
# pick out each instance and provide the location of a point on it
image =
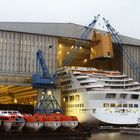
(57, 95)
(49, 102)
(39, 94)
(14, 100)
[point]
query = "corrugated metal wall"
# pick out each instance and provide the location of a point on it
(18, 52)
(134, 51)
(18, 56)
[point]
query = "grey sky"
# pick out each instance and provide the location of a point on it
(124, 15)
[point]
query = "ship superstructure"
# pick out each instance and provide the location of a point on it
(98, 96)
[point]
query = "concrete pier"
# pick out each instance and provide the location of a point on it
(130, 130)
(44, 136)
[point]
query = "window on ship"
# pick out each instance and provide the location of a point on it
(119, 105)
(124, 105)
(110, 95)
(106, 105)
(66, 98)
(136, 105)
(93, 110)
(134, 96)
(9, 112)
(130, 105)
(71, 98)
(83, 84)
(123, 96)
(77, 97)
(79, 79)
(112, 105)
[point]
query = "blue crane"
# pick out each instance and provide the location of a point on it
(125, 52)
(42, 80)
(48, 103)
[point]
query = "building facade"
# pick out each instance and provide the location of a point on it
(19, 43)
(18, 55)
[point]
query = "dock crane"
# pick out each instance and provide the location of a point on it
(48, 104)
(125, 52)
(45, 79)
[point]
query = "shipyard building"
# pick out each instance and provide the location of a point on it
(19, 42)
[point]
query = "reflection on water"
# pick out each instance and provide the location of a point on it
(113, 136)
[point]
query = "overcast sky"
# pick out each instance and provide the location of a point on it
(124, 15)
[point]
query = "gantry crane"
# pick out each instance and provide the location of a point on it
(125, 52)
(48, 104)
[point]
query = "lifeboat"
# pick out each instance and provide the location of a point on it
(52, 122)
(6, 123)
(18, 121)
(67, 121)
(33, 123)
(11, 120)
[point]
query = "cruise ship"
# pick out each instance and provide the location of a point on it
(100, 97)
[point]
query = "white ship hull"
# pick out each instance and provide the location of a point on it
(100, 97)
(100, 115)
(116, 118)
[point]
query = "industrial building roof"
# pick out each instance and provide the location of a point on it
(69, 30)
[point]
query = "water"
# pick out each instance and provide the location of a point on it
(94, 136)
(113, 136)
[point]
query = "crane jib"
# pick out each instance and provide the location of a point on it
(125, 52)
